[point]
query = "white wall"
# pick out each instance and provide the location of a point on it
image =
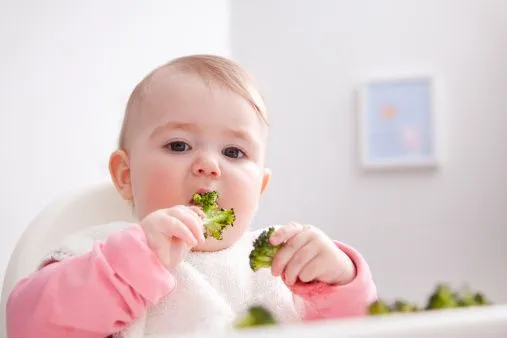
(66, 70)
(415, 228)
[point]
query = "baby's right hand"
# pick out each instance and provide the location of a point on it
(172, 232)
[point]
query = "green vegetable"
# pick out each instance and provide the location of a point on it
(255, 316)
(263, 251)
(441, 298)
(402, 306)
(378, 307)
(464, 300)
(480, 299)
(468, 298)
(216, 219)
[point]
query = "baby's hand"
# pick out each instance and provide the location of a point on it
(309, 255)
(172, 232)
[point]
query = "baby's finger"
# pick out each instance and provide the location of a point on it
(311, 270)
(190, 219)
(173, 227)
(162, 248)
(285, 254)
(299, 261)
(335, 273)
(178, 250)
(198, 215)
(285, 233)
(169, 251)
(198, 211)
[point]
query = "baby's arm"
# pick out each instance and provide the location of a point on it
(92, 295)
(317, 300)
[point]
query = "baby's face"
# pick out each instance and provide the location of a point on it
(193, 137)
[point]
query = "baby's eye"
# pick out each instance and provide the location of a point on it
(178, 146)
(233, 152)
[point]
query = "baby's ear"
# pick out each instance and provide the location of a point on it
(265, 179)
(120, 173)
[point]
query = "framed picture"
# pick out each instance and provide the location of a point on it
(396, 124)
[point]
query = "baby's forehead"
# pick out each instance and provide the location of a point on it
(158, 86)
(173, 92)
(170, 80)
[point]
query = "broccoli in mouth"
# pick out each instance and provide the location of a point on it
(216, 219)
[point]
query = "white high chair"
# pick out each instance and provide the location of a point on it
(75, 210)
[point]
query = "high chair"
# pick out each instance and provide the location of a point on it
(77, 209)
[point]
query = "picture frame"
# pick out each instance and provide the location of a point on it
(397, 128)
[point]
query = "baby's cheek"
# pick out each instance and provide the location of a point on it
(158, 190)
(245, 198)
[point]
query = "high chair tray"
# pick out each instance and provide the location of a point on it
(483, 322)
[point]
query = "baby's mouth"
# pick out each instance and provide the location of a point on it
(199, 191)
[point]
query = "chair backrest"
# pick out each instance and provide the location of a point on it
(78, 209)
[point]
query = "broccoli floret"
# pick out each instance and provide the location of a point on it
(464, 300)
(255, 316)
(216, 219)
(207, 201)
(402, 306)
(378, 307)
(263, 251)
(468, 298)
(480, 299)
(442, 298)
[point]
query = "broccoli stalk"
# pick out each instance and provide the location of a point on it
(255, 316)
(216, 219)
(263, 251)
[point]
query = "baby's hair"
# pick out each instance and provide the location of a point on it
(212, 69)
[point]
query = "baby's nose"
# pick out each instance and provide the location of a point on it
(206, 166)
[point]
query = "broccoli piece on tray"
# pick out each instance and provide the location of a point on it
(403, 306)
(441, 298)
(216, 219)
(255, 316)
(467, 297)
(480, 299)
(378, 307)
(263, 251)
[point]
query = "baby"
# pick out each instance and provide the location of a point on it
(196, 124)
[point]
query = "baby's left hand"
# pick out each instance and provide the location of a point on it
(309, 255)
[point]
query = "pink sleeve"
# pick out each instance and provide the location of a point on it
(322, 301)
(92, 295)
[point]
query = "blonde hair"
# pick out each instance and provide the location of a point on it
(211, 68)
